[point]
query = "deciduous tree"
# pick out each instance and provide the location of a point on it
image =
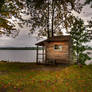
(51, 15)
(79, 36)
(9, 8)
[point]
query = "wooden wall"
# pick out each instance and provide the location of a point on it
(59, 56)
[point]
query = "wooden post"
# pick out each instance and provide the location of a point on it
(45, 54)
(69, 52)
(37, 55)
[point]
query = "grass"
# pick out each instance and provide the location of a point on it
(29, 77)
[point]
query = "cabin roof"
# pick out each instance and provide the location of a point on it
(55, 39)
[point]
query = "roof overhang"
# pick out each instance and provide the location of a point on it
(55, 39)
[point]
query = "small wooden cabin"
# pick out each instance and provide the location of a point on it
(57, 49)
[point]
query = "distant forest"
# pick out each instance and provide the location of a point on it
(27, 48)
(19, 48)
(89, 48)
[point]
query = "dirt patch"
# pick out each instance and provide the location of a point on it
(3, 72)
(50, 67)
(3, 89)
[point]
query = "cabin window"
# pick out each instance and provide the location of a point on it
(58, 47)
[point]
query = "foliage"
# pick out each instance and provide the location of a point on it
(62, 18)
(79, 36)
(38, 11)
(89, 48)
(8, 9)
(83, 57)
(90, 24)
(88, 2)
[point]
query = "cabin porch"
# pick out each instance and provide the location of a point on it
(40, 55)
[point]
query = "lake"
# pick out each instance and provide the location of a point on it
(18, 55)
(27, 55)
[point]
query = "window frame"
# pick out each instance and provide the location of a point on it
(58, 48)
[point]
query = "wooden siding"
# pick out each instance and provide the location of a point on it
(59, 56)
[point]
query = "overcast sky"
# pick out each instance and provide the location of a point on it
(24, 40)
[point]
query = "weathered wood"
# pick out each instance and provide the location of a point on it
(50, 54)
(60, 56)
(43, 54)
(37, 55)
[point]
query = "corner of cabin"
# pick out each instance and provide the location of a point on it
(57, 49)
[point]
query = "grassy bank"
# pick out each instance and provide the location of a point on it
(29, 77)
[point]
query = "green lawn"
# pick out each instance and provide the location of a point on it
(28, 77)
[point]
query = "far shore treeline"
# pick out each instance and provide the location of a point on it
(19, 48)
(89, 48)
(27, 48)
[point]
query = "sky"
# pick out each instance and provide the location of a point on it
(20, 41)
(24, 40)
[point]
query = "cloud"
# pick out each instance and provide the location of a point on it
(22, 40)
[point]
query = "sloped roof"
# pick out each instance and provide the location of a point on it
(55, 39)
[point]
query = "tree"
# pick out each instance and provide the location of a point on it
(79, 36)
(88, 2)
(51, 15)
(9, 8)
(47, 16)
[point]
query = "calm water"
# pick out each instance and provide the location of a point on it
(18, 55)
(27, 55)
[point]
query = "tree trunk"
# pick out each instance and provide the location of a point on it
(77, 54)
(52, 17)
(48, 21)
